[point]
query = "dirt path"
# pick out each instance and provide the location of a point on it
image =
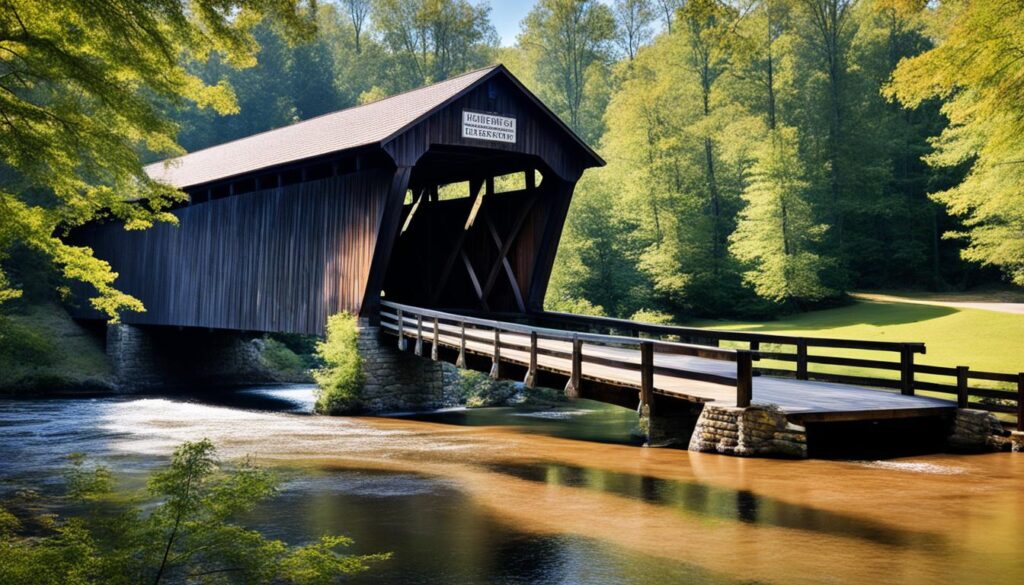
(950, 300)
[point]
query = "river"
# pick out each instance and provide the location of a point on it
(555, 495)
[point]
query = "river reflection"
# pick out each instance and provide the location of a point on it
(556, 495)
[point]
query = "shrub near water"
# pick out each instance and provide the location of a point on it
(182, 531)
(341, 379)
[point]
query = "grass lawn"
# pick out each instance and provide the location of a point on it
(981, 339)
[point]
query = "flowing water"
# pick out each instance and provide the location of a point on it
(557, 495)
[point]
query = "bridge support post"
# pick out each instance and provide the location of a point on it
(434, 345)
(496, 359)
(461, 360)
(530, 380)
(401, 332)
(572, 387)
(418, 349)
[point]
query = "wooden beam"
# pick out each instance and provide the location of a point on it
(388, 224)
(461, 360)
(434, 346)
(906, 371)
(962, 399)
(531, 373)
(572, 387)
(476, 283)
(503, 249)
(559, 192)
(418, 349)
(647, 376)
(496, 358)
(744, 378)
(453, 256)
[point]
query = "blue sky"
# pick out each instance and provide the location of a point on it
(506, 14)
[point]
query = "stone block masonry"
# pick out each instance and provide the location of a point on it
(397, 381)
(755, 431)
(147, 359)
(978, 431)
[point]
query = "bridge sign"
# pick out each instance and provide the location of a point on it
(481, 126)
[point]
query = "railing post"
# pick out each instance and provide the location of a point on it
(906, 370)
(461, 360)
(755, 349)
(801, 359)
(647, 376)
(1020, 401)
(572, 388)
(434, 346)
(401, 332)
(418, 350)
(744, 379)
(496, 359)
(531, 372)
(961, 387)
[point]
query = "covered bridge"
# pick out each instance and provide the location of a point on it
(448, 196)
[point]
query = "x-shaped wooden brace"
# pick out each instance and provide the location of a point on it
(483, 291)
(503, 250)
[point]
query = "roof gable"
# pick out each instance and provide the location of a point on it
(370, 124)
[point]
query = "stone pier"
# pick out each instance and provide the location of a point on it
(975, 431)
(754, 431)
(146, 359)
(397, 381)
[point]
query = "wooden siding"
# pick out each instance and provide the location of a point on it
(536, 134)
(272, 260)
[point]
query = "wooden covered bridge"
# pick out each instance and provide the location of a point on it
(437, 214)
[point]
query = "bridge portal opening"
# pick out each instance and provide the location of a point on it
(473, 231)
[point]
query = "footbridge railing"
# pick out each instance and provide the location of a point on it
(891, 365)
(566, 352)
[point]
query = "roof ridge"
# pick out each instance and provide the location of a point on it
(325, 115)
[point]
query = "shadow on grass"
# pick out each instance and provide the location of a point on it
(875, 314)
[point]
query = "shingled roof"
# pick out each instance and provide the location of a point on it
(364, 125)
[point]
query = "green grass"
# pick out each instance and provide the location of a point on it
(982, 340)
(43, 350)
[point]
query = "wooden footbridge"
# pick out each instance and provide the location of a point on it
(437, 213)
(632, 371)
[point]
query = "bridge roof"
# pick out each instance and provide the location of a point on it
(365, 125)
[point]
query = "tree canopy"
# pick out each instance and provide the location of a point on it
(849, 134)
(82, 85)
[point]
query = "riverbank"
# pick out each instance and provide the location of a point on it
(515, 495)
(43, 352)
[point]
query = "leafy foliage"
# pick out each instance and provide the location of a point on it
(183, 534)
(776, 232)
(976, 68)
(570, 44)
(341, 379)
(81, 85)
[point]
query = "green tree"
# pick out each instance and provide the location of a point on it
(81, 89)
(340, 381)
(431, 40)
(358, 11)
(976, 68)
(570, 43)
(633, 20)
(776, 234)
(828, 30)
(182, 533)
